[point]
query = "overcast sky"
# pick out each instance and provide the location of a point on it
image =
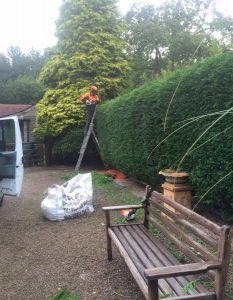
(31, 23)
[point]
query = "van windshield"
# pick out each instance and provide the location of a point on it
(7, 135)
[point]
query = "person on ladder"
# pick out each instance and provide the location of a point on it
(91, 99)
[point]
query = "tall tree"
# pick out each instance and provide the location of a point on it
(174, 34)
(89, 51)
(147, 40)
(222, 26)
(188, 30)
(18, 76)
(5, 68)
(18, 61)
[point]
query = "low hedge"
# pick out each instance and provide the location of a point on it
(129, 127)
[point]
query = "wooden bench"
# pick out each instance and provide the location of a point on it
(154, 266)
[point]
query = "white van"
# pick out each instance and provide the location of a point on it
(11, 157)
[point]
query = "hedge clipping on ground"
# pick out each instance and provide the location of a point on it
(201, 113)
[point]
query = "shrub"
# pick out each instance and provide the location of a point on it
(129, 127)
(67, 146)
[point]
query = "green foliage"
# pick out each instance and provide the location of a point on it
(100, 180)
(177, 253)
(208, 283)
(66, 147)
(129, 127)
(5, 68)
(174, 34)
(89, 51)
(58, 110)
(18, 76)
(163, 296)
(114, 196)
(146, 36)
(64, 294)
(24, 89)
(189, 286)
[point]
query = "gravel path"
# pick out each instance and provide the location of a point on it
(38, 256)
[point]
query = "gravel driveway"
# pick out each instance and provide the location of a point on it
(38, 256)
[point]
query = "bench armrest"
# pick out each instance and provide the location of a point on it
(115, 208)
(181, 270)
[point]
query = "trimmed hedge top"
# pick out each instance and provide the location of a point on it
(200, 97)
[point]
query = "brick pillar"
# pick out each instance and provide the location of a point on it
(176, 188)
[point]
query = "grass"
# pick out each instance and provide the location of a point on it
(189, 286)
(68, 176)
(114, 195)
(64, 294)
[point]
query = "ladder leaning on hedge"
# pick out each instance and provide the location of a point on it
(86, 138)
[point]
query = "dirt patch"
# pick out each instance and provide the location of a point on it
(39, 256)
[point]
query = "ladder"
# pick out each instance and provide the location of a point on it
(86, 138)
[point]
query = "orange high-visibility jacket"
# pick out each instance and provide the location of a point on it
(93, 99)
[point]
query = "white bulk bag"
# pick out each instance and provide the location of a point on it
(70, 200)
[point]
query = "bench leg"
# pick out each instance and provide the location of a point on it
(153, 290)
(109, 247)
(109, 242)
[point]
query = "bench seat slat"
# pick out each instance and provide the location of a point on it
(202, 296)
(137, 258)
(131, 265)
(133, 238)
(166, 258)
(155, 260)
(147, 261)
(175, 240)
(163, 251)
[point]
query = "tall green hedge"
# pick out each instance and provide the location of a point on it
(129, 127)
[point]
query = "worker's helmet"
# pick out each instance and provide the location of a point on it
(94, 88)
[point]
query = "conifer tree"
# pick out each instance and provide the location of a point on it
(89, 51)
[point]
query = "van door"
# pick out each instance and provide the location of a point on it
(11, 157)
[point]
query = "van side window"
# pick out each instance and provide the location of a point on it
(7, 135)
(2, 138)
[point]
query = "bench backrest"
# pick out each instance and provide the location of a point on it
(196, 237)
